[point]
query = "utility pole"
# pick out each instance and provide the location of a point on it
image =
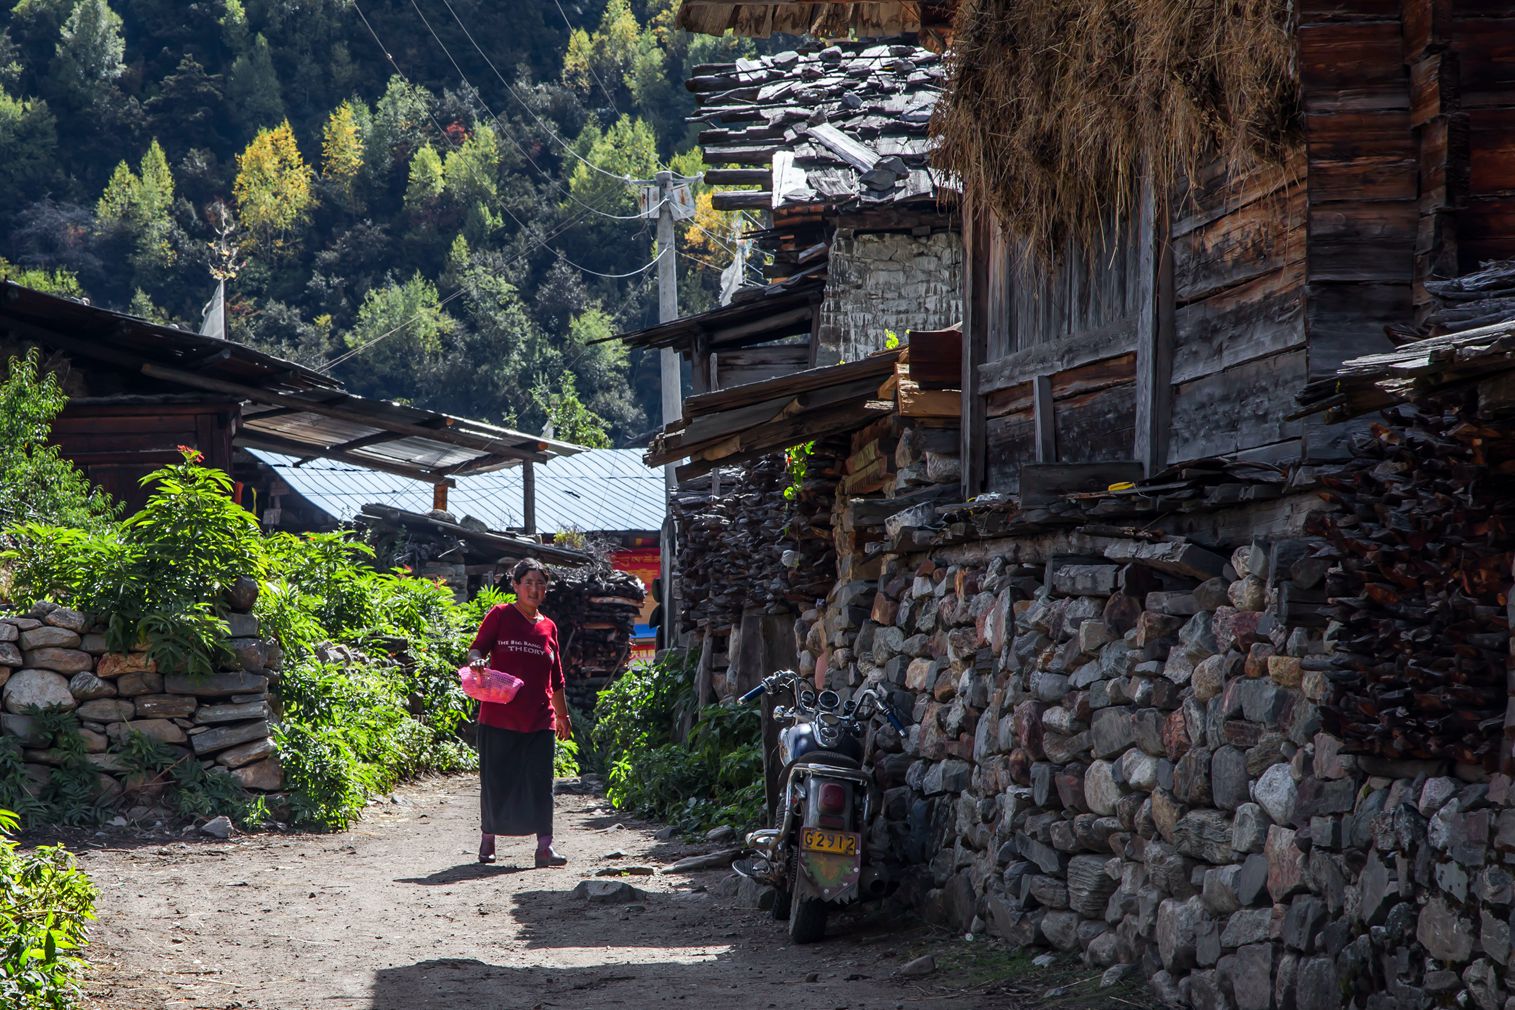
(673, 407)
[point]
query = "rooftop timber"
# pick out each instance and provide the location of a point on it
(842, 127)
(755, 316)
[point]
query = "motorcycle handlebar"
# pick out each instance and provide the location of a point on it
(894, 720)
(753, 694)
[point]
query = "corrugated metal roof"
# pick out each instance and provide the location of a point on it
(598, 490)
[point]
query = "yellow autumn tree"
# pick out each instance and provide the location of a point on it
(272, 188)
(342, 154)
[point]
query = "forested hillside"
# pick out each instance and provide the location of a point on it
(423, 196)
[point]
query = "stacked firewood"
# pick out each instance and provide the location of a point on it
(758, 538)
(809, 546)
(728, 535)
(595, 609)
(1421, 541)
(1481, 298)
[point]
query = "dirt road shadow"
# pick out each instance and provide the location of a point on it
(463, 871)
(450, 984)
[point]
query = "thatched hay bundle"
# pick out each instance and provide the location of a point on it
(1055, 105)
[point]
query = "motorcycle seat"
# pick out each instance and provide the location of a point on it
(826, 757)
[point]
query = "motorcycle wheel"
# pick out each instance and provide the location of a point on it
(807, 919)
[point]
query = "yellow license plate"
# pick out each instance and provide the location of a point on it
(843, 843)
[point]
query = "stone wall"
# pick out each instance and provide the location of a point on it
(53, 658)
(886, 281)
(1130, 764)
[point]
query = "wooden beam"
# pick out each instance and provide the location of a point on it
(439, 496)
(449, 436)
(737, 176)
(1108, 341)
(742, 199)
(1044, 483)
(881, 365)
(529, 498)
(1046, 420)
(1154, 334)
(974, 434)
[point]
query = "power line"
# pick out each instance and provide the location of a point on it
(565, 190)
(457, 146)
(540, 122)
(461, 290)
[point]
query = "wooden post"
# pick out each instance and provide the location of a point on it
(1046, 422)
(439, 495)
(977, 251)
(529, 498)
(1154, 334)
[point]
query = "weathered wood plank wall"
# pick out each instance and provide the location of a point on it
(1406, 170)
(1070, 325)
(1238, 279)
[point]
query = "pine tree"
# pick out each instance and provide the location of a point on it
(252, 87)
(118, 204)
(156, 185)
(427, 179)
(472, 168)
(272, 188)
(91, 52)
(342, 155)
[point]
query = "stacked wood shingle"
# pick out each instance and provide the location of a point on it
(595, 610)
(841, 128)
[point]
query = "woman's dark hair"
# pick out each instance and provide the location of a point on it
(528, 565)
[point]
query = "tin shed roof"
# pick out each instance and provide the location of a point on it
(598, 490)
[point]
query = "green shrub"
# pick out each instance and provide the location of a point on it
(565, 759)
(36, 482)
(157, 574)
(713, 776)
(45, 904)
(348, 734)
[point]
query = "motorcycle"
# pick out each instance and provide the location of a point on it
(814, 857)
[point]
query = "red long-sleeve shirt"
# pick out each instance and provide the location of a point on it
(528, 649)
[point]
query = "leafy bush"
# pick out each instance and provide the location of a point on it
(158, 574)
(36, 482)
(713, 776)
(347, 731)
(45, 905)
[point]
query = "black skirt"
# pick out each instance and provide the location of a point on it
(515, 773)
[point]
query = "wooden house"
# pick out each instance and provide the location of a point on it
(1215, 287)
(138, 390)
(830, 147)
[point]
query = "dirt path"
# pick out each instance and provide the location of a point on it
(396, 915)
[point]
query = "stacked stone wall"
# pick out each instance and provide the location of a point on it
(886, 281)
(53, 658)
(1131, 765)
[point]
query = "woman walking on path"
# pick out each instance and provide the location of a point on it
(515, 739)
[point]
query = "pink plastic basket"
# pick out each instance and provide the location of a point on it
(489, 685)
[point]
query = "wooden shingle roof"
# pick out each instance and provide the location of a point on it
(844, 127)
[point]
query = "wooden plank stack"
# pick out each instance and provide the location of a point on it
(751, 545)
(1422, 548)
(595, 610)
